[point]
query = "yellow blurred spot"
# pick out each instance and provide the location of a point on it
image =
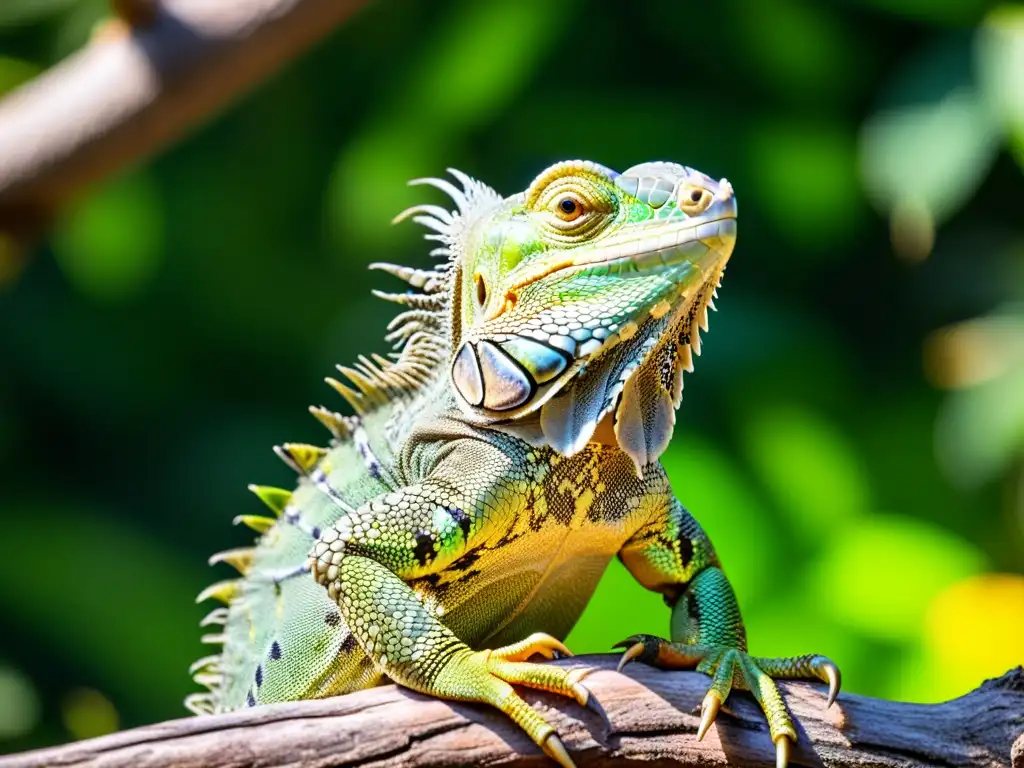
(972, 352)
(87, 713)
(974, 630)
(19, 704)
(912, 231)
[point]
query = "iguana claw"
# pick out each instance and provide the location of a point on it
(708, 712)
(555, 749)
(782, 747)
(632, 652)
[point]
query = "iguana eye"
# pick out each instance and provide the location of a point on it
(481, 290)
(694, 200)
(568, 207)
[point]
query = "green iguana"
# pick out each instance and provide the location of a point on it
(459, 522)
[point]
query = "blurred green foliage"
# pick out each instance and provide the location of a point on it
(853, 440)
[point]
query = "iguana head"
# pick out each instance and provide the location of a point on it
(576, 303)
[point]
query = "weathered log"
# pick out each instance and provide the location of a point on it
(129, 94)
(650, 717)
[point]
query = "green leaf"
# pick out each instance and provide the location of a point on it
(14, 72)
(1000, 63)
(108, 598)
(813, 163)
(18, 13)
(879, 576)
(711, 486)
(471, 70)
(110, 245)
(809, 466)
(979, 431)
(934, 142)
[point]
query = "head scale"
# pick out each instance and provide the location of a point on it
(581, 299)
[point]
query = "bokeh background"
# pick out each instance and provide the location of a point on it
(853, 439)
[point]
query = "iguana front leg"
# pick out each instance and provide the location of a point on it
(365, 559)
(673, 555)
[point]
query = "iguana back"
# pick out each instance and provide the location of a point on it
(282, 637)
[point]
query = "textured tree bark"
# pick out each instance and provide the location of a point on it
(127, 95)
(652, 718)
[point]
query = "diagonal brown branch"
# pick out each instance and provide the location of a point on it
(653, 717)
(126, 96)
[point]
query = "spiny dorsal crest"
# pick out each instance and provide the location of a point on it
(421, 335)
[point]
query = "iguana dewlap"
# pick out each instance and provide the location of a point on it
(459, 522)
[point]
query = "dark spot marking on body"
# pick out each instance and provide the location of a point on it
(432, 579)
(693, 608)
(275, 650)
(250, 699)
(685, 550)
(259, 675)
(315, 533)
(424, 549)
(460, 517)
(510, 536)
(466, 561)
(349, 644)
(332, 619)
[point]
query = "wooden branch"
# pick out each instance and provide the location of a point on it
(128, 94)
(653, 716)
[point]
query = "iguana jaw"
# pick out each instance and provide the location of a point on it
(651, 250)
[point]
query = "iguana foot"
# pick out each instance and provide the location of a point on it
(488, 676)
(730, 667)
(537, 644)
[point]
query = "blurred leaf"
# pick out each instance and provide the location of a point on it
(19, 704)
(934, 142)
(111, 600)
(14, 72)
(110, 245)
(814, 164)
(980, 430)
(17, 13)
(88, 713)
(77, 26)
(468, 72)
(711, 486)
(811, 469)
(879, 576)
(1000, 55)
(808, 53)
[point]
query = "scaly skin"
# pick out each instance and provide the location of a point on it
(459, 523)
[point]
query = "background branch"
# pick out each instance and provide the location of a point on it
(654, 717)
(127, 95)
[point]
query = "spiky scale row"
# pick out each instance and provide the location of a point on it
(240, 559)
(301, 457)
(275, 498)
(224, 591)
(339, 426)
